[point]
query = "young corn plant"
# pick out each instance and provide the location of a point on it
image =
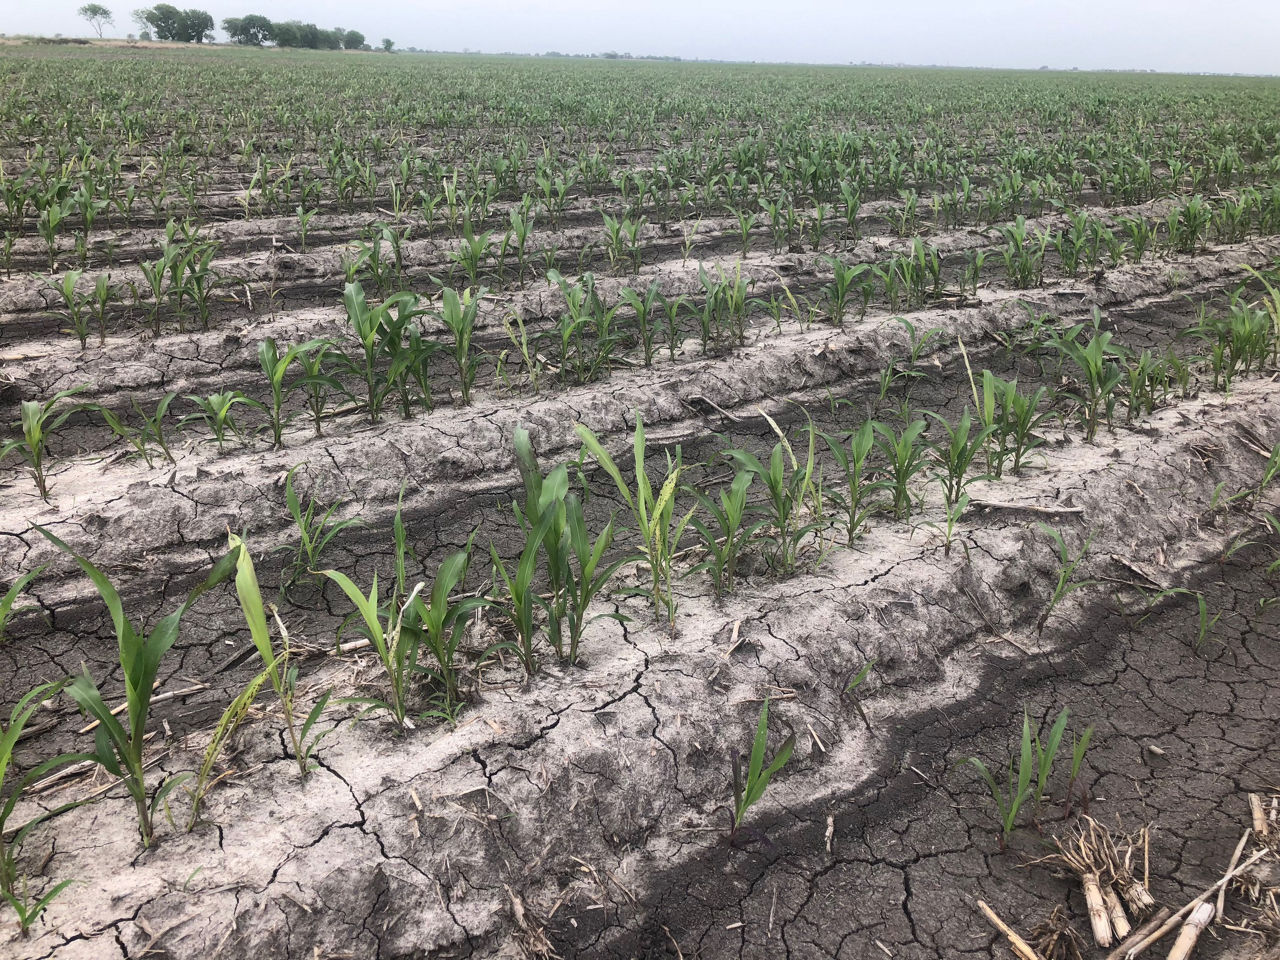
(458, 314)
(77, 311)
(13, 885)
(396, 648)
(904, 455)
(369, 325)
(316, 528)
(956, 453)
(842, 287)
(748, 790)
(316, 383)
(852, 456)
(275, 367)
(793, 490)
(646, 310)
(9, 601)
(1018, 787)
(1066, 583)
(575, 570)
(206, 777)
(733, 529)
(655, 516)
(217, 413)
(522, 600)
(1099, 370)
(144, 437)
(38, 423)
(440, 621)
(119, 747)
(277, 669)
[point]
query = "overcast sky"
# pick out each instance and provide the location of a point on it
(1225, 36)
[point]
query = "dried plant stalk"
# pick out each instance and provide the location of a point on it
(1200, 918)
(1099, 919)
(1115, 911)
(1259, 813)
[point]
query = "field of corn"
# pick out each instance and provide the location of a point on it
(522, 507)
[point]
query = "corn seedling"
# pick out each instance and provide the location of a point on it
(77, 311)
(791, 488)
(38, 423)
(12, 883)
(956, 453)
(645, 307)
(851, 691)
(840, 290)
(904, 454)
(216, 412)
(656, 522)
(119, 748)
(369, 325)
(440, 621)
(733, 530)
(316, 528)
(1066, 584)
(232, 717)
(458, 314)
(1010, 796)
(9, 600)
(396, 648)
(275, 367)
(856, 501)
(521, 601)
(748, 790)
(277, 669)
(1100, 373)
(142, 438)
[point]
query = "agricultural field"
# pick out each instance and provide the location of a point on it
(498, 507)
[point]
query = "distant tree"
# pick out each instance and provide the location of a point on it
(352, 40)
(252, 31)
(388, 45)
(165, 20)
(285, 34)
(170, 23)
(197, 25)
(97, 15)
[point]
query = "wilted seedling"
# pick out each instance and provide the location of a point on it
(747, 792)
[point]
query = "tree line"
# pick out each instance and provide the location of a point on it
(164, 21)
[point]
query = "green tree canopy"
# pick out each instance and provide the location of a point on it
(97, 15)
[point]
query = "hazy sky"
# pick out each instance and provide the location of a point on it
(1177, 35)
